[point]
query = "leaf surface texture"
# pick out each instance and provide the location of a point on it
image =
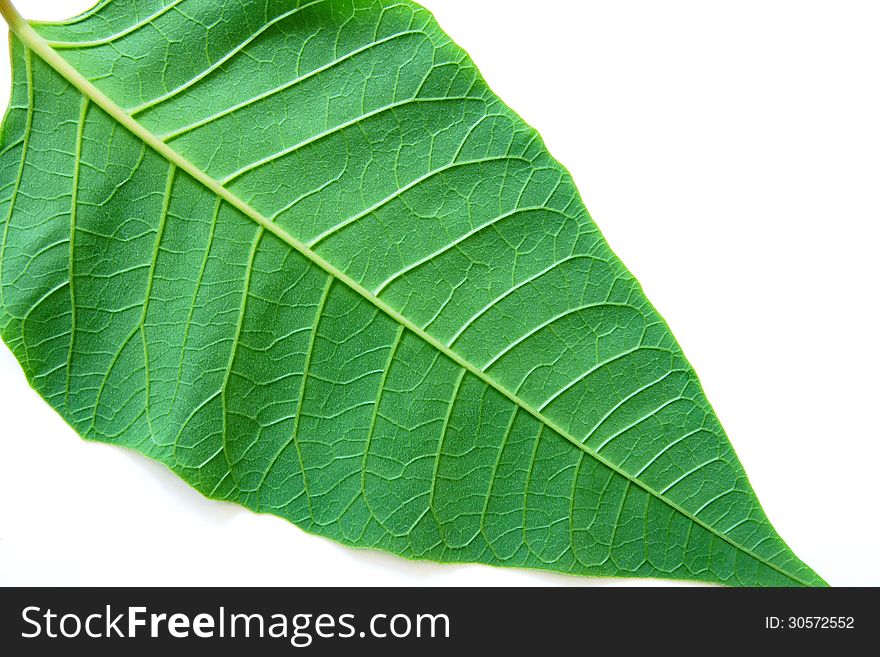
(300, 253)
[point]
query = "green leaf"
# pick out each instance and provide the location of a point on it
(302, 255)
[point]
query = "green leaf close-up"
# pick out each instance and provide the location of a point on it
(301, 254)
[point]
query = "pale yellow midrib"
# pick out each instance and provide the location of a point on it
(40, 46)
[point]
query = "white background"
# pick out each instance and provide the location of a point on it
(730, 152)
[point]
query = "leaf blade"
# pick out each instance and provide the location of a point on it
(626, 329)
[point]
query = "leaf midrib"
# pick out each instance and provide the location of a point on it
(39, 45)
